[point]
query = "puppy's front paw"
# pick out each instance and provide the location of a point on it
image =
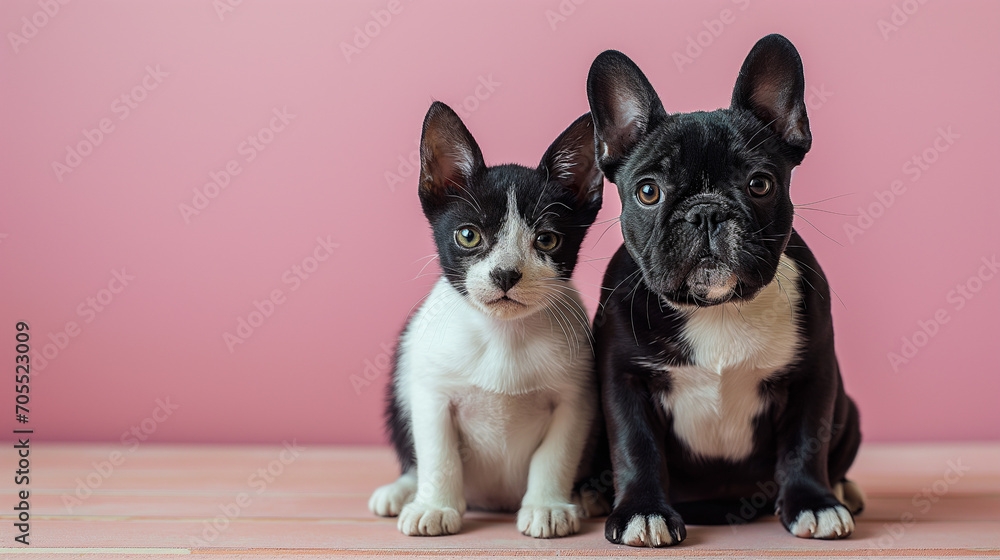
(654, 529)
(549, 520)
(419, 519)
(819, 517)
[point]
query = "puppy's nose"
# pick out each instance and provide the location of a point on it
(506, 278)
(706, 215)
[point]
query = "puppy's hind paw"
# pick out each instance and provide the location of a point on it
(851, 495)
(417, 519)
(549, 520)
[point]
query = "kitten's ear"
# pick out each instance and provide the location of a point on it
(624, 106)
(570, 162)
(772, 87)
(449, 156)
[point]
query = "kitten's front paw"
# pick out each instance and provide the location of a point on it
(815, 517)
(547, 521)
(419, 519)
(654, 529)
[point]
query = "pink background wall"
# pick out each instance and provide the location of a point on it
(197, 84)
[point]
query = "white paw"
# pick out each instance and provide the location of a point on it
(647, 530)
(388, 500)
(547, 521)
(829, 523)
(417, 519)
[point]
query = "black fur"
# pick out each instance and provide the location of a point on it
(708, 228)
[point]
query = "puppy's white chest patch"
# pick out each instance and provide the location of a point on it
(715, 400)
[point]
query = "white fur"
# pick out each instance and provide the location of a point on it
(735, 346)
(643, 530)
(498, 401)
(829, 523)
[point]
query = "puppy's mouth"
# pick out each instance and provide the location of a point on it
(711, 282)
(708, 282)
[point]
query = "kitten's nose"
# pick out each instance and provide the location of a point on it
(506, 278)
(707, 216)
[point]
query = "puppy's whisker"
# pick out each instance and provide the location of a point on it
(759, 130)
(819, 230)
(824, 200)
(826, 211)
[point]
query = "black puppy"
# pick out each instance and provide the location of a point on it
(721, 390)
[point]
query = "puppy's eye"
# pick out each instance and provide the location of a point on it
(648, 194)
(468, 237)
(760, 185)
(546, 241)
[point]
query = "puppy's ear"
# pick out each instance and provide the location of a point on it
(570, 162)
(624, 106)
(772, 87)
(449, 156)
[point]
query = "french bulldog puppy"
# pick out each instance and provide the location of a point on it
(719, 380)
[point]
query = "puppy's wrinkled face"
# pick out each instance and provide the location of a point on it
(706, 211)
(508, 236)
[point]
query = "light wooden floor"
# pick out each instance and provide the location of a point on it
(162, 501)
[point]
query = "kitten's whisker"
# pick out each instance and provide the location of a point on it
(600, 237)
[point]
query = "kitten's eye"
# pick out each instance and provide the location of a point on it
(546, 241)
(468, 237)
(760, 185)
(648, 194)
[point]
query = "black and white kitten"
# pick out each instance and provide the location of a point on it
(493, 399)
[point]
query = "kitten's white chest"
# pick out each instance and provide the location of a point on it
(455, 344)
(501, 385)
(715, 401)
